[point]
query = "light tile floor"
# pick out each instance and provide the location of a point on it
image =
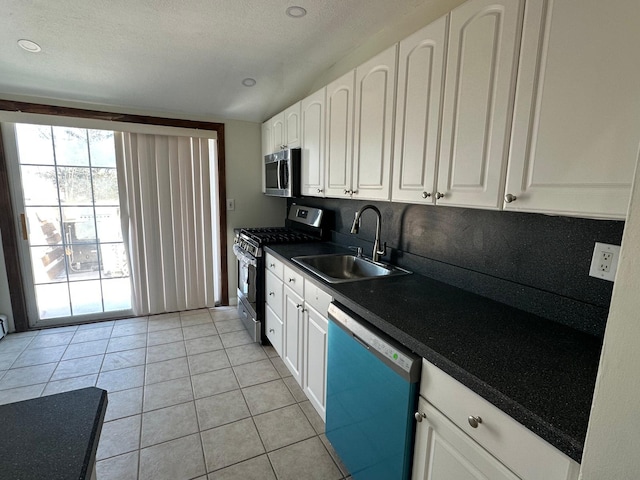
(190, 397)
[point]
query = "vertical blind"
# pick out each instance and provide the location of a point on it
(166, 200)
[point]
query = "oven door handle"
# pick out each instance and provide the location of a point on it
(244, 257)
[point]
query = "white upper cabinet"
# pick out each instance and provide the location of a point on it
(373, 133)
(277, 132)
(577, 114)
(339, 136)
(267, 147)
(312, 113)
(285, 129)
(292, 126)
(418, 108)
(484, 40)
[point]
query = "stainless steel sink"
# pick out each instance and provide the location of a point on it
(338, 268)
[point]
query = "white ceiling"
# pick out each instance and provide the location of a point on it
(186, 56)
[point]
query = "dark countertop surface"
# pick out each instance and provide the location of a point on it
(53, 437)
(539, 372)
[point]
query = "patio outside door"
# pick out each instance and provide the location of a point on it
(65, 182)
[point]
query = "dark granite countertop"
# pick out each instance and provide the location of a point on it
(539, 372)
(53, 437)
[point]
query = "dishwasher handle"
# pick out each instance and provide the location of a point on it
(391, 352)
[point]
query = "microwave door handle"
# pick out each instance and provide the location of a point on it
(279, 175)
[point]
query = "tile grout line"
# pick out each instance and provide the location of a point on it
(195, 406)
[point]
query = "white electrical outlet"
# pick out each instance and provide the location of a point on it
(231, 204)
(604, 262)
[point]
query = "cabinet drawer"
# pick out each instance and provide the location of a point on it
(273, 293)
(272, 264)
(316, 297)
(274, 329)
(293, 280)
(528, 455)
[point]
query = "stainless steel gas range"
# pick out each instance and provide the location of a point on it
(303, 224)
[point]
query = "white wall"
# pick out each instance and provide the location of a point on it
(243, 177)
(613, 439)
(244, 185)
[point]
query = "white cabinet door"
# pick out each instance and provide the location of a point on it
(292, 126)
(267, 147)
(339, 136)
(577, 115)
(312, 144)
(274, 328)
(315, 359)
(418, 110)
(373, 132)
(484, 39)
(278, 132)
(273, 292)
(293, 329)
(444, 452)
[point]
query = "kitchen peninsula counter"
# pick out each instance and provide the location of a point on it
(53, 437)
(539, 372)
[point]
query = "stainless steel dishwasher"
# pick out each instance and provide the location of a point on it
(372, 390)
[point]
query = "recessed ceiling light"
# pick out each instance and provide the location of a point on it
(29, 46)
(296, 12)
(249, 82)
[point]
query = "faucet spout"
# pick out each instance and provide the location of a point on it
(355, 228)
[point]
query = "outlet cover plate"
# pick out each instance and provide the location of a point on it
(605, 270)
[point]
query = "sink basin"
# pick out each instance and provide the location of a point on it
(338, 268)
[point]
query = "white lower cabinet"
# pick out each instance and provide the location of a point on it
(292, 351)
(444, 452)
(296, 325)
(274, 329)
(451, 445)
(314, 380)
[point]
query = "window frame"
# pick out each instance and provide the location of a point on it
(8, 224)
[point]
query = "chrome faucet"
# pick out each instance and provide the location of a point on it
(355, 228)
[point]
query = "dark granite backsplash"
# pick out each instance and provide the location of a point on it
(534, 262)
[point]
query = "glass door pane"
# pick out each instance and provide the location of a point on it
(71, 204)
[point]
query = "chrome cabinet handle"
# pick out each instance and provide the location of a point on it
(298, 306)
(510, 198)
(271, 330)
(439, 195)
(426, 194)
(291, 280)
(319, 190)
(474, 421)
(272, 265)
(272, 294)
(419, 416)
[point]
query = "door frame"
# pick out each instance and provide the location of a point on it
(8, 225)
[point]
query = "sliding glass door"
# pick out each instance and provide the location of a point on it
(64, 181)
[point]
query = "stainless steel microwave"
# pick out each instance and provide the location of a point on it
(282, 173)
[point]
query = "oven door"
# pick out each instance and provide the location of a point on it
(247, 292)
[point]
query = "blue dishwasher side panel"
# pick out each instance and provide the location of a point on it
(370, 408)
